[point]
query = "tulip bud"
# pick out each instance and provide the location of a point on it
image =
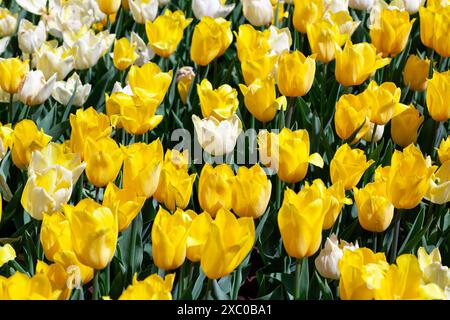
(143, 10)
(7, 253)
(295, 84)
(197, 235)
(280, 40)
(227, 245)
(438, 93)
(307, 12)
(348, 165)
(151, 288)
(415, 74)
(258, 12)
(51, 59)
(184, 78)
(211, 8)
(8, 23)
(12, 73)
(169, 235)
(351, 115)
(210, 40)
(215, 188)
(220, 103)
(142, 167)
(124, 54)
(439, 191)
(324, 38)
(64, 90)
(405, 127)
(162, 42)
(364, 5)
(94, 232)
(109, 6)
(444, 150)
(35, 90)
(31, 37)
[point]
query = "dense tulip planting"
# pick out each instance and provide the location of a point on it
(214, 149)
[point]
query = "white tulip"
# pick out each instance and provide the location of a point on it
(143, 10)
(37, 7)
(365, 5)
(258, 12)
(143, 50)
(51, 59)
(35, 89)
(31, 37)
(412, 6)
(280, 40)
(217, 137)
(378, 133)
(211, 8)
(4, 44)
(118, 88)
(336, 5)
(64, 90)
(8, 23)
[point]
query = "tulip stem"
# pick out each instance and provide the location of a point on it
(372, 142)
(375, 240)
(290, 111)
(96, 293)
(208, 294)
(133, 248)
(10, 110)
(298, 270)
(396, 235)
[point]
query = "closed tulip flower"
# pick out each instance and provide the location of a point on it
(441, 32)
(125, 202)
(251, 43)
(197, 235)
(103, 160)
(35, 89)
(306, 13)
(409, 177)
(51, 59)
(211, 8)
(351, 115)
(169, 235)
(280, 40)
(175, 184)
(64, 90)
(87, 123)
(12, 73)
(31, 37)
(288, 153)
(324, 38)
(162, 42)
(258, 12)
(227, 245)
(151, 288)
(215, 188)
(427, 23)
(261, 100)
(47, 192)
(444, 150)
(415, 74)
(143, 10)
(7, 254)
(348, 165)
(383, 101)
(392, 33)
(210, 40)
(184, 78)
(364, 5)
(221, 103)
(259, 68)
(109, 6)
(55, 234)
(295, 84)
(217, 137)
(124, 54)
(94, 232)
(438, 95)
(405, 127)
(300, 221)
(357, 62)
(8, 23)
(26, 139)
(375, 211)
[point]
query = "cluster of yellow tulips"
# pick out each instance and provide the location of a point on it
(100, 202)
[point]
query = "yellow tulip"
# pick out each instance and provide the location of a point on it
(197, 235)
(438, 95)
(287, 153)
(142, 167)
(151, 288)
(58, 278)
(298, 83)
(324, 38)
(55, 234)
(357, 62)
(104, 160)
(351, 114)
(344, 20)
(307, 12)
(251, 43)
(261, 100)
(228, 243)
(12, 73)
(26, 139)
(251, 192)
(391, 35)
(444, 150)
(210, 40)
(87, 123)
(109, 6)
(442, 23)
(6, 139)
(415, 74)
(221, 103)
(7, 253)
(184, 78)
(125, 202)
(94, 231)
(409, 177)
(169, 235)
(175, 184)
(77, 272)
(405, 127)
(124, 54)
(375, 211)
(432, 269)
(300, 221)
(215, 188)
(427, 18)
(165, 43)
(20, 286)
(348, 165)
(258, 68)
(439, 191)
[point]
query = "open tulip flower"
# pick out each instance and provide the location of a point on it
(224, 149)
